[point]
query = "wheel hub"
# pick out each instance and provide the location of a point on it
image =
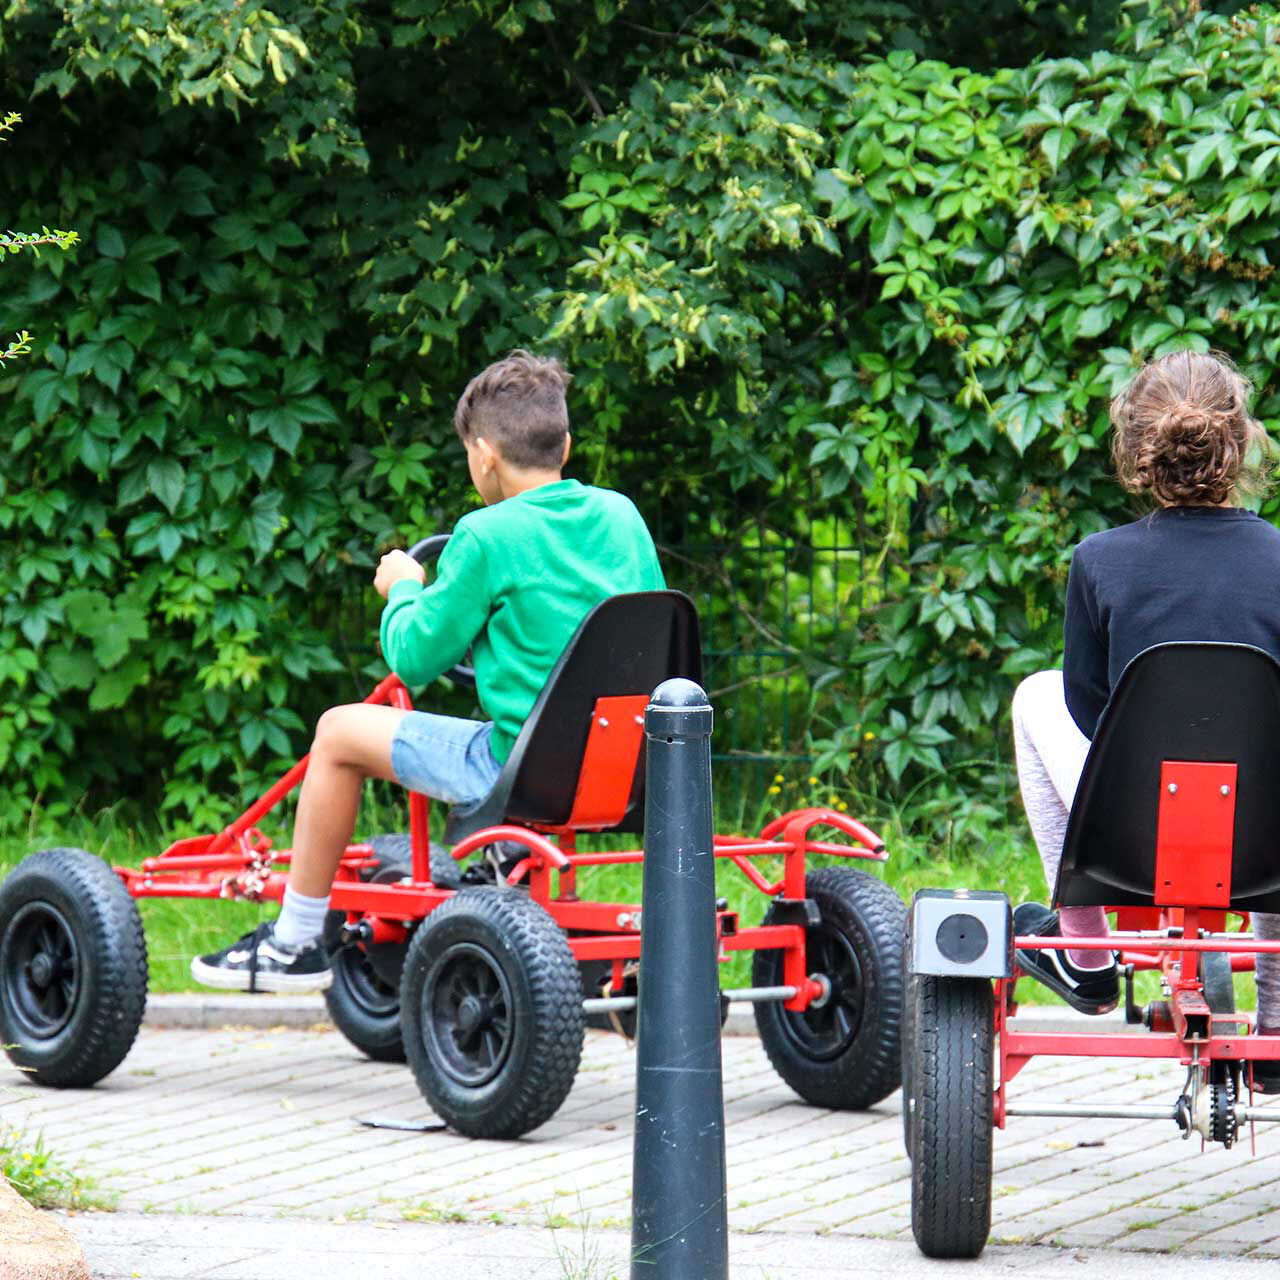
(830, 1024)
(39, 969)
(474, 1015)
(466, 1014)
(42, 970)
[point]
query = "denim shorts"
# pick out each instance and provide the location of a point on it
(444, 757)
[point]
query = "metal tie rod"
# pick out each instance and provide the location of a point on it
(755, 995)
(1257, 1115)
(1082, 1111)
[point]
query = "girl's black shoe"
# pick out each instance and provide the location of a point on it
(1090, 991)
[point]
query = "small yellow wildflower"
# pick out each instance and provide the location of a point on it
(777, 777)
(773, 791)
(813, 782)
(868, 736)
(844, 808)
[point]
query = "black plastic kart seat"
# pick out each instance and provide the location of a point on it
(624, 648)
(1180, 794)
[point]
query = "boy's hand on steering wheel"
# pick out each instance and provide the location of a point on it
(395, 567)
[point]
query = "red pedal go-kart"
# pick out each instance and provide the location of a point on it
(486, 990)
(1173, 827)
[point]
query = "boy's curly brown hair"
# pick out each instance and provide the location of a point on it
(1183, 431)
(518, 406)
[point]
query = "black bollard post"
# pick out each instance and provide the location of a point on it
(680, 1223)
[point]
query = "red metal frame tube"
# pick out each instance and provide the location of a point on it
(1109, 942)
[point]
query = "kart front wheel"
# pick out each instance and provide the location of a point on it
(73, 968)
(491, 1013)
(911, 980)
(846, 1052)
(951, 1126)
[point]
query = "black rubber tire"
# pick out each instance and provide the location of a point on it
(1219, 989)
(908, 1056)
(513, 958)
(364, 998)
(397, 850)
(67, 911)
(852, 1064)
(952, 1126)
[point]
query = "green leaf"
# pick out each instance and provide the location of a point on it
(109, 241)
(165, 478)
(1057, 144)
(1201, 154)
(114, 687)
(71, 669)
(886, 236)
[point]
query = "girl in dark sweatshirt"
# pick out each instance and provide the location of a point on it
(1199, 567)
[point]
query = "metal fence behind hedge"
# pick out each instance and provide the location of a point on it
(770, 606)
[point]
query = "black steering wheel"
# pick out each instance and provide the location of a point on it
(424, 552)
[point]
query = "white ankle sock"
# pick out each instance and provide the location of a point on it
(301, 918)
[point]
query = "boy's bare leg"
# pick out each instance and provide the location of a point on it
(352, 743)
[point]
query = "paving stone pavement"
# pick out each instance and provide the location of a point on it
(256, 1124)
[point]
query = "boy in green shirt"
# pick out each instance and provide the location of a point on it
(513, 583)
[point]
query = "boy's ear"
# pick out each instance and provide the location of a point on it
(568, 443)
(488, 454)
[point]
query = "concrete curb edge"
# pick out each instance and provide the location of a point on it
(196, 1011)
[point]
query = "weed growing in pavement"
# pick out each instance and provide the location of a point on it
(42, 1180)
(425, 1211)
(580, 1259)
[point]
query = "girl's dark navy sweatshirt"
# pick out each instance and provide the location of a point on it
(1182, 573)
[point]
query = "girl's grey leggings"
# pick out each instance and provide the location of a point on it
(1050, 752)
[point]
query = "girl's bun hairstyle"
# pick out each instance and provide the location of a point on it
(1183, 430)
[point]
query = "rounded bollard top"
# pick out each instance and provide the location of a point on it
(679, 694)
(678, 709)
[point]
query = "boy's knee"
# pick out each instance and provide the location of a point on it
(331, 731)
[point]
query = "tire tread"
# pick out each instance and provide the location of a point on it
(952, 1129)
(871, 1068)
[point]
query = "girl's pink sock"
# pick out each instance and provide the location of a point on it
(1085, 922)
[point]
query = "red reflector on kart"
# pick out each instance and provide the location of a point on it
(1195, 834)
(609, 762)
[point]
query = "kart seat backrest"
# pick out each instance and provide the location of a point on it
(1179, 801)
(623, 649)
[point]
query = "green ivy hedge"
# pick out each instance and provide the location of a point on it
(800, 273)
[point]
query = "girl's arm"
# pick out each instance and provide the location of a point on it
(1084, 654)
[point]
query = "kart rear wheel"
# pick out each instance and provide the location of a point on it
(364, 998)
(492, 1013)
(953, 1034)
(73, 968)
(845, 1053)
(1219, 989)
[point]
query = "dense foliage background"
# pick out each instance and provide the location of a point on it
(839, 272)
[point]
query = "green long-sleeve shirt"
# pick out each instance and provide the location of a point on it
(514, 582)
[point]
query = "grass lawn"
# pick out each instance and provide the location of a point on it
(997, 857)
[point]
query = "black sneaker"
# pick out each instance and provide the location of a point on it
(257, 962)
(1089, 991)
(1266, 1075)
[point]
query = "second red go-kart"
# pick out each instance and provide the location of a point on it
(1174, 827)
(486, 990)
